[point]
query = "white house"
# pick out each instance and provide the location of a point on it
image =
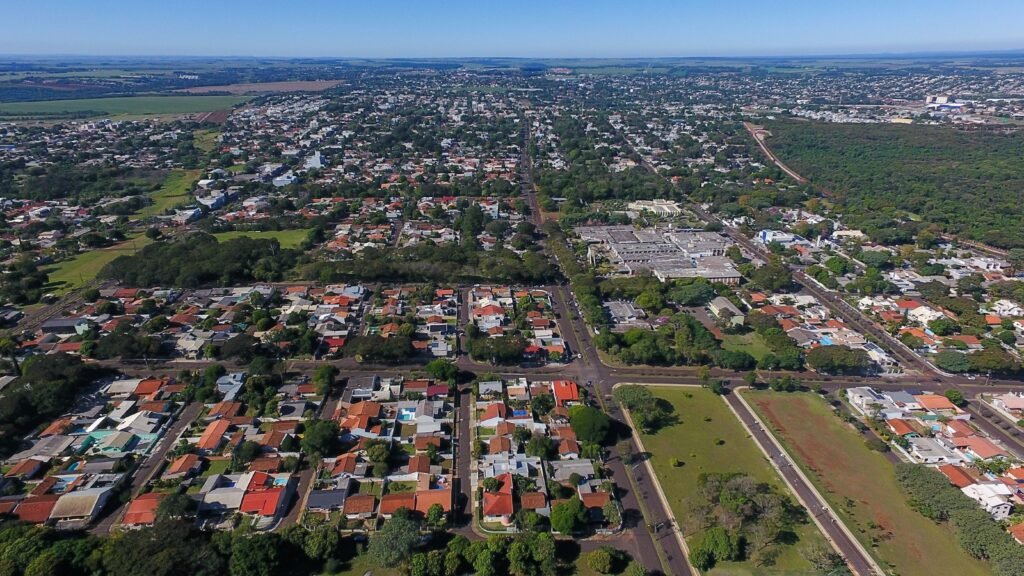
(994, 498)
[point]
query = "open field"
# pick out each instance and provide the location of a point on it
(266, 87)
(752, 343)
(206, 140)
(69, 274)
(704, 420)
(123, 106)
(287, 238)
(861, 487)
(174, 191)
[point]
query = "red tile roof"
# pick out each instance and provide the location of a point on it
(427, 498)
(533, 500)
(956, 475)
(565, 391)
(595, 499)
(183, 464)
(36, 510)
(142, 510)
(262, 502)
(213, 435)
(389, 503)
(360, 504)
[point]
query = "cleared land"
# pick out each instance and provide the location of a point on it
(704, 420)
(122, 106)
(69, 274)
(266, 87)
(206, 140)
(287, 238)
(174, 191)
(752, 343)
(860, 484)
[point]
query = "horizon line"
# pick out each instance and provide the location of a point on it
(823, 55)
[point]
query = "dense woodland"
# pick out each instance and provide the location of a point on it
(200, 260)
(967, 183)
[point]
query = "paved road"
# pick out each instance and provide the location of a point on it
(152, 467)
(305, 484)
(859, 561)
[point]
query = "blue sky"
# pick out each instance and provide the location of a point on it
(522, 28)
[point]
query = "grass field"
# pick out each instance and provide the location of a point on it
(752, 343)
(206, 140)
(287, 238)
(704, 420)
(121, 106)
(174, 191)
(861, 485)
(69, 274)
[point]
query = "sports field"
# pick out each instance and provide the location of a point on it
(708, 438)
(120, 106)
(287, 238)
(860, 484)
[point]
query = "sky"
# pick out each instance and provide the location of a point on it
(507, 28)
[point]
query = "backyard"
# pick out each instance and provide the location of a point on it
(707, 438)
(860, 484)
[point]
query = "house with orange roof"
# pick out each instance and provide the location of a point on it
(213, 437)
(1017, 532)
(936, 403)
(142, 510)
(900, 427)
(498, 507)
(360, 506)
(957, 475)
(390, 503)
(978, 448)
(427, 498)
(184, 466)
(566, 392)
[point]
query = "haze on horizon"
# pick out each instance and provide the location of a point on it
(527, 28)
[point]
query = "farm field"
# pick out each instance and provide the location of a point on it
(287, 238)
(174, 191)
(121, 106)
(69, 274)
(704, 421)
(861, 486)
(266, 87)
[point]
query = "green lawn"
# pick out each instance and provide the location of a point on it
(752, 343)
(121, 106)
(216, 467)
(704, 420)
(69, 274)
(174, 191)
(287, 238)
(861, 486)
(206, 140)
(401, 487)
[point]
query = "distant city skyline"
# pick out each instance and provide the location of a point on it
(525, 29)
